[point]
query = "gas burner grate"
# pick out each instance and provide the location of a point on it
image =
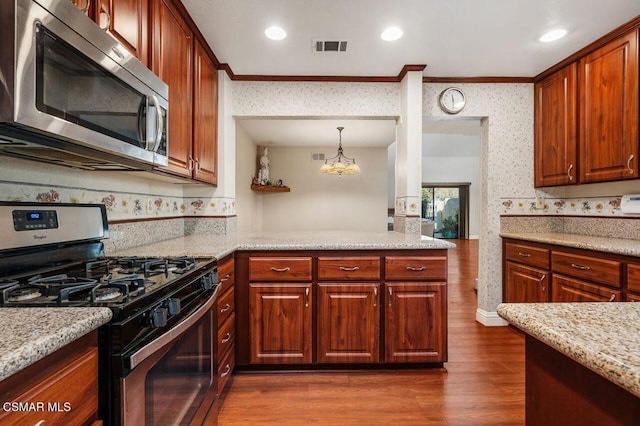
(182, 264)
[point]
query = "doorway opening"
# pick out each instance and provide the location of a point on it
(445, 210)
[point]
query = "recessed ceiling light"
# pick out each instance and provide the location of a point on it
(275, 33)
(391, 34)
(553, 35)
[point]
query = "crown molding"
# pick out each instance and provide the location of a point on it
(477, 79)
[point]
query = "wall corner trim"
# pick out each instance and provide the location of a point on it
(490, 318)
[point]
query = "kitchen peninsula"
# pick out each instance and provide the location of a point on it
(582, 361)
(310, 299)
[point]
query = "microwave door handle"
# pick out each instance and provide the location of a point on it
(142, 112)
(159, 124)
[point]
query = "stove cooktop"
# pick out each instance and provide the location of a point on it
(114, 282)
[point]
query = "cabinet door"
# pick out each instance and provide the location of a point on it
(126, 21)
(565, 289)
(415, 327)
(609, 111)
(524, 284)
(555, 128)
(280, 323)
(348, 323)
(171, 60)
(205, 117)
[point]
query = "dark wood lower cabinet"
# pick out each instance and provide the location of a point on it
(560, 391)
(526, 284)
(566, 289)
(280, 323)
(415, 322)
(348, 323)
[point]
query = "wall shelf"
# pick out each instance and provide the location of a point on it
(270, 188)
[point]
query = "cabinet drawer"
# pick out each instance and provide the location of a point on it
(633, 277)
(226, 305)
(415, 268)
(567, 289)
(599, 270)
(225, 368)
(226, 275)
(528, 255)
(348, 268)
(74, 387)
(280, 268)
(226, 335)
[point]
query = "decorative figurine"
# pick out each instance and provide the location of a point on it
(263, 174)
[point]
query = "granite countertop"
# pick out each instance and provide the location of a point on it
(603, 244)
(30, 334)
(222, 245)
(601, 336)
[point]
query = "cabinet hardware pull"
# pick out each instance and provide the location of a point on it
(83, 9)
(375, 296)
(390, 296)
(226, 278)
(227, 370)
(580, 267)
(40, 423)
(411, 268)
(344, 268)
(226, 308)
(629, 164)
(226, 338)
(190, 164)
(106, 12)
(197, 165)
(569, 171)
(306, 297)
(524, 254)
(613, 297)
(542, 277)
(287, 269)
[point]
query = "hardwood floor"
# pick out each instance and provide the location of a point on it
(482, 384)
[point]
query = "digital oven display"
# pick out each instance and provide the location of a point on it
(32, 220)
(34, 215)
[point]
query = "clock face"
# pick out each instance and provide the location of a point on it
(452, 100)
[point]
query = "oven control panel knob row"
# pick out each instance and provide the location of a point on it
(158, 317)
(173, 305)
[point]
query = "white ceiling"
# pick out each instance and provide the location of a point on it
(454, 38)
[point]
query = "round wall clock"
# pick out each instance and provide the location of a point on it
(452, 100)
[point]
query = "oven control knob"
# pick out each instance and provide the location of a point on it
(158, 317)
(207, 282)
(173, 305)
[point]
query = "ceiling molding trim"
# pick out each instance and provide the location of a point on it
(477, 79)
(322, 78)
(622, 29)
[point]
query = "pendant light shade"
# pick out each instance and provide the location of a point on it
(340, 164)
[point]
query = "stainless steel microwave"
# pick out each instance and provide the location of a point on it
(70, 94)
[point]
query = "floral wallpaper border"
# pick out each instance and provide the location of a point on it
(601, 206)
(121, 205)
(407, 206)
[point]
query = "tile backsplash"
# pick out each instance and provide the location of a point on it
(592, 206)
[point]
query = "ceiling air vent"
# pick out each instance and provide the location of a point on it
(330, 45)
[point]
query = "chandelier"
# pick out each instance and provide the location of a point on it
(340, 164)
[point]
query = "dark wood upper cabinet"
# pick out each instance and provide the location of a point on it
(556, 140)
(172, 61)
(127, 21)
(205, 117)
(609, 111)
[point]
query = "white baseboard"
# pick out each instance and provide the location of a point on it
(490, 319)
(474, 237)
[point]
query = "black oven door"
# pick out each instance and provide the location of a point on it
(172, 378)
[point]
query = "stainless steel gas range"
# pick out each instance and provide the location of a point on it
(156, 354)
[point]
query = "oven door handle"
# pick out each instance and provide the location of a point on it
(174, 333)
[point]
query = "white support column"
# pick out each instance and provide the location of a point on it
(409, 155)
